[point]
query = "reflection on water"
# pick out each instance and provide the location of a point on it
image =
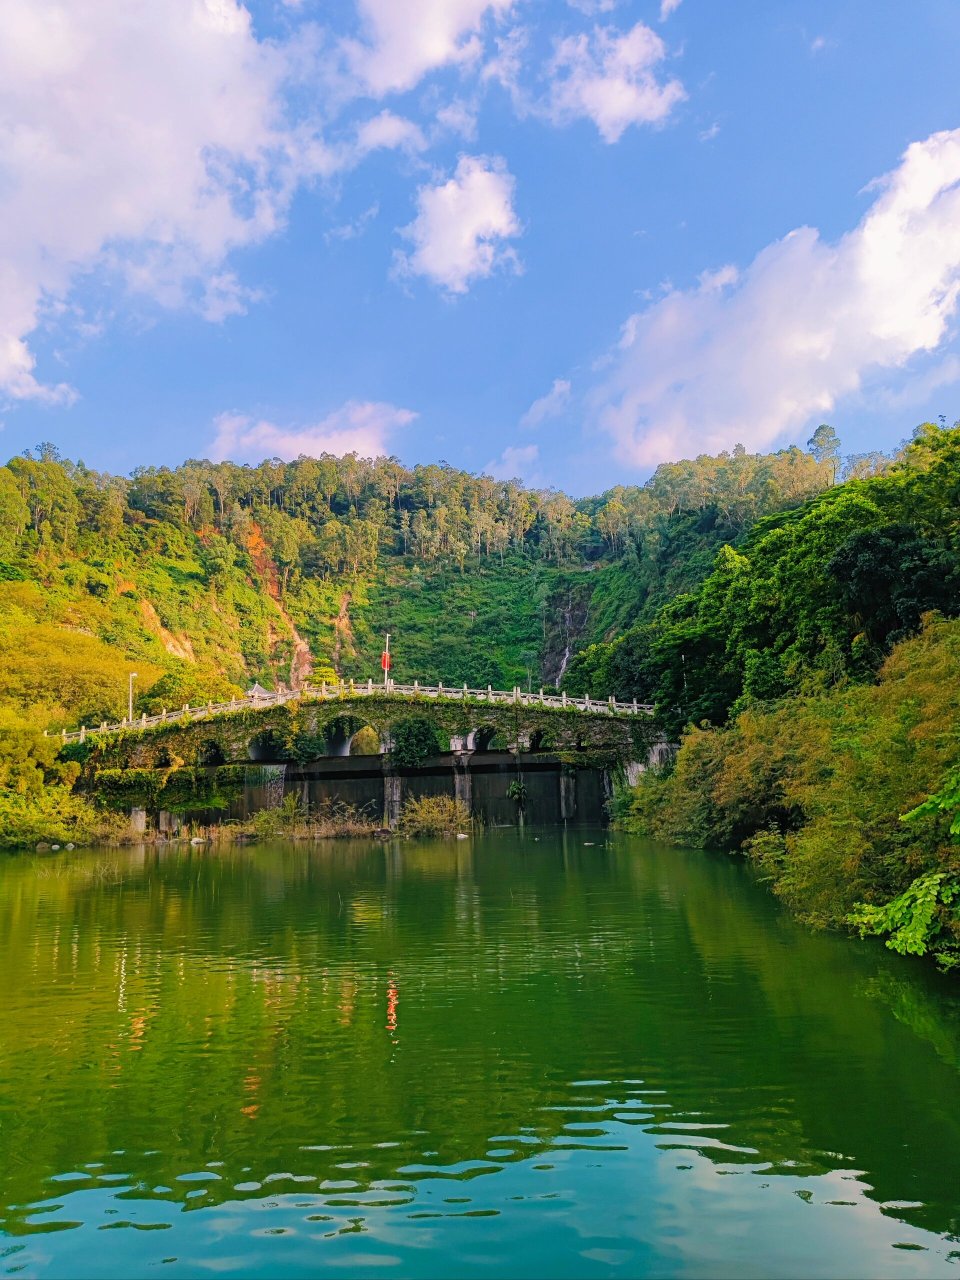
(560, 1055)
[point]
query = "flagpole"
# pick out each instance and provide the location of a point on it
(385, 661)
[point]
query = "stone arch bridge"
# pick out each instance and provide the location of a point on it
(149, 761)
(320, 720)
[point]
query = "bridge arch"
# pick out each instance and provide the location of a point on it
(485, 738)
(366, 742)
(349, 735)
(267, 747)
(210, 754)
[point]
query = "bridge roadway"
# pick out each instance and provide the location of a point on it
(354, 689)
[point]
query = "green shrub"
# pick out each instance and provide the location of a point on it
(434, 816)
(76, 752)
(54, 815)
(415, 741)
(332, 820)
(282, 820)
(923, 919)
(517, 791)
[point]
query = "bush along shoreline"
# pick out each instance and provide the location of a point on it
(54, 818)
(847, 800)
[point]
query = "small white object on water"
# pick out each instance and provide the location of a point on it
(69, 846)
(588, 844)
(54, 846)
(198, 840)
(462, 835)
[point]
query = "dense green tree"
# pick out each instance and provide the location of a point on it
(889, 577)
(186, 686)
(14, 512)
(824, 444)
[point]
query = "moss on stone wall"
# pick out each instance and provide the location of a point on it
(298, 731)
(170, 789)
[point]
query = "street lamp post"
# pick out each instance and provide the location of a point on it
(133, 676)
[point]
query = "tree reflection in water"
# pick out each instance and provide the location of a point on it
(219, 1029)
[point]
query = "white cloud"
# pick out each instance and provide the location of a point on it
(592, 7)
(459, 117)
(548, 406)
(360, 426)
(506, 65)
(516, 463)
(145, 139)
(406, 39)
(917, 391)
(350, 230)
(667, 7)
(390, 132)
(752, 355)
(461, 226)
(610, 78)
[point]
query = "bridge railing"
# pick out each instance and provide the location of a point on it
(369, 688)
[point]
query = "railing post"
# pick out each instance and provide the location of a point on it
(323, 688)
(464, 693)
(439, 688)
(83, 733)
(489, 694)
(370, 685)
(563, 698)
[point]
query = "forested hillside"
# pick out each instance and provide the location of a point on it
(813, 678)
(207, 576)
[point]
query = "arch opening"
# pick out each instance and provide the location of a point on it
(365, 742)
(268, 748)
(486, 738)
(348, 736)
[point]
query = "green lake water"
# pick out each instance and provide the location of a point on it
(572, 1055)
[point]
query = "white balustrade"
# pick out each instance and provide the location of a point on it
(416, 690)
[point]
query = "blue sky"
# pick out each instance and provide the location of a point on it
(559, 239)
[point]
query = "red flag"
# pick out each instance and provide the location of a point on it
(385, 661)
